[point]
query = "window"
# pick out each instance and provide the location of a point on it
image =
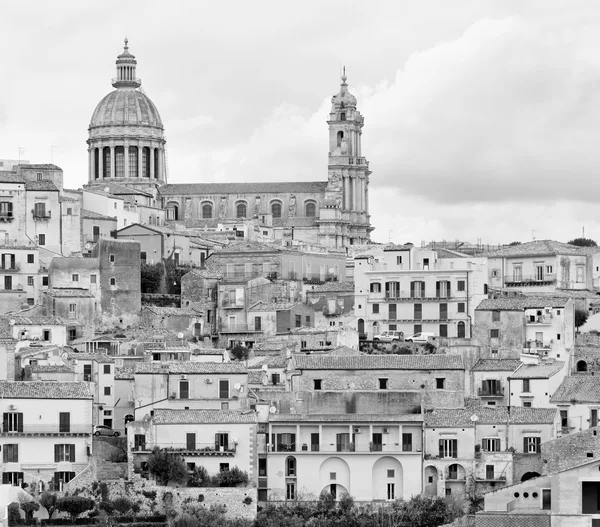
(383, 384)
(64, 422)
(92, 278)
(107, 390)
(532, 445)
(75, 278)
(223, 388)
(448, 448)
(527, 404)
(546, 499)
(440, 383)
(113, 281)
(303, 344)
(64, 453)
(276, 209)
(417, 289)
(107, 368)
(317, 384)
(30, 301)
(442, 289)
(310, 209)
(240, 210)
(461, 307)
(290, 491)
(207, 211)
(223, 467)
(72, 310)
(491, 444)
(284, 442)
(44, 280)
(12, 422)
(343, 442)
(46, 334)
(417, 328)
(525, 388)
(6, 209)
(39, 210)
(489, 472)
(398, 260)
(30, 281)
(307, 320)
(391, 491)
(298, 319)
(290, 467)
(111, 258)
(460, 285)
(494, 333)
(262, 467)
(10, 453)
(69, 211)
(376, 308)
(87, 372)
(41, 239)
(31, 258)
(495, 316)
(494, 353)
(443, 330)
(95, 233)
(8, 283)
(184, 390)
(375, 287)
(418, 311)
(406, 442)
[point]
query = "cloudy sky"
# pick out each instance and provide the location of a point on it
(482, 118)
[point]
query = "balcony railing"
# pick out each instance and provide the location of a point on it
(49, 429)
(41, 215)
(237, 303)
(530, 279)
(490, 392)
(6, 216)
(407, 296)
(537, 345)
(239, 328)
(8, 269)
(346, 447)
(196, 449)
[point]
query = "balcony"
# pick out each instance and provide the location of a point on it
(359, 447)
(535, 346)
(232, 304)
(41, 215)
(47, 430)
(405, 296)
(520, 280)
(239, 328)
(490, 391)
(6, 217)
(198, 449)
(14, 269)
(540, 320)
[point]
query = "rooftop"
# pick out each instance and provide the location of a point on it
(346, 418)
(331, 287)
(168, 416)
(172, 311)
(51, 368)
(497, 365)
(41, 186)
(470, 416)
(91, 215)
(520, 303)
(98, 357)
(70, 292)
(577, 389)
(225, 368)
(538, 371)
(44, 390)
(378, 362)
(308, 187)
(536, 248)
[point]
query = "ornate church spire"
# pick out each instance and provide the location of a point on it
(126, 64)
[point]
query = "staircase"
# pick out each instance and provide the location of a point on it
(106, 452)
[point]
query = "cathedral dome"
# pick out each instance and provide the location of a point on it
(344, 96)
(126, 106)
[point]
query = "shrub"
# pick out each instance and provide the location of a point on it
(150, 494)
(29, 507)
(231, 478)
(240, 352)
(74, 505)
(121, 505)
(48, 501)
(199, 478)
(165, 467)
(14, 516)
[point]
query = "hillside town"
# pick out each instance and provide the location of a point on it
(250, 344)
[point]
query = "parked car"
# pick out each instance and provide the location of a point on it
(420, 337)
(103, 430)
(389, 336)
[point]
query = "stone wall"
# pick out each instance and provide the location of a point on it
(523, 463)
(571, 450)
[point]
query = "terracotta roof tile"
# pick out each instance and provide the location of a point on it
(309, 187)
(497, 365)
(379, 362)
(51, 368)
(231, 368)
(331, 287)
(535, 248)
(347, 418)
(91, 215)
(578, 389)
(44, 390)
(538, 371)
(521, 303)
(168, 416)
(41, 186)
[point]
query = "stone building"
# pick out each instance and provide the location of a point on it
(126, 145)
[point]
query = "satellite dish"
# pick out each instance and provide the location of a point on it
(474, 418)
(272, 410)
(179, 335)
(331, 270)
(106, 189)
(65, 355)
(12, 322)
(237, 386)
(88, 246)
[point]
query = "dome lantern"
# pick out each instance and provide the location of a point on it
(126, 64)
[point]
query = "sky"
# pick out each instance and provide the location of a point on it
(482, 118)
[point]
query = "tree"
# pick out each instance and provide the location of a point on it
(151, 277)
(14, 516)
(514, 243)
(166, 466)
(48, 501)
(422, 511)
(29, 507)
(240, 352)
(231, 478)
(74, 505)
(581, 317)
(122, 505)
(583, 242)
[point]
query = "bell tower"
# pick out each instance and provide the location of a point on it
(348, 170)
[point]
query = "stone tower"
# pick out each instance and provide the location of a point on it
(126, 136)
(345, 219)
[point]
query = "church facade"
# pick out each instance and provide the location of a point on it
(126, 145)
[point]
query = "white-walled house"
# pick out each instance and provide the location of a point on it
(532, 385)
(217, 440)
(46, 436)
(578, 401)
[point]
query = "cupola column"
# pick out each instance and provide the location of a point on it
(100, 161)
(152, 175)
(112, 161)
(140, 148)
(126, 157)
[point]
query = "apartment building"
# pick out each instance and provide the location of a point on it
(490, 380)
(533, 385)
(414, 290)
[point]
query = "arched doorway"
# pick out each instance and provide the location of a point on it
(529, 475)
(387, 479)
(127, 419)
(431, 481)
(456, 479)
(361, 327)
(460, 330)
(581, 365)
(334, 475)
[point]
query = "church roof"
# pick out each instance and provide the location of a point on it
(304, 187)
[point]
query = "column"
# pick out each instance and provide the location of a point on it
(112, 161)
(140, 148)
(126, 157)
(152, 176)
(91, 165)
(100, 161)
(362, 194)
(347, 193)
(321, 438)
(354, 196)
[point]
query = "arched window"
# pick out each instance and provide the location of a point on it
(290, 467)
(461, 330)
(276, 209)
(133, 161)
(207, 210)
(340, 136)
(240, 210)
(172, 211)
(453, 471)
(581, 365)
(310, 209)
